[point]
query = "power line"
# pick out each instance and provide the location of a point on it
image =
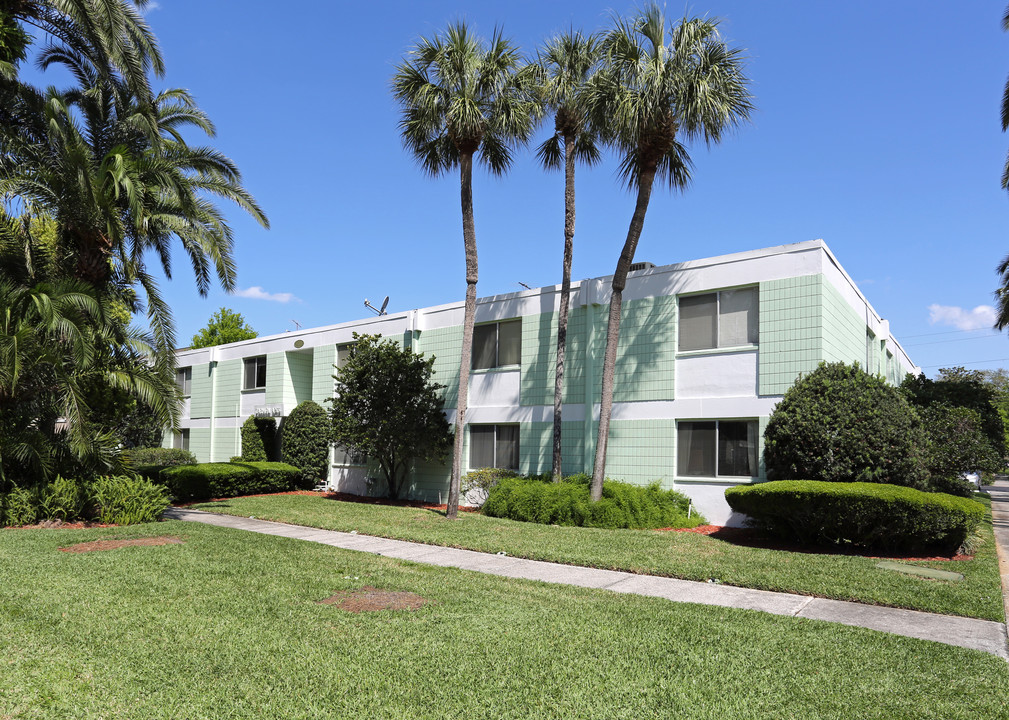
(972, 362)
(946, 332)
(940, 342)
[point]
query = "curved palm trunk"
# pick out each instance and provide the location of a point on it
(613, 327)
(562, 320)
(469, 241)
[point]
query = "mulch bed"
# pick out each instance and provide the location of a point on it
(347, 497)
(753, 538)
(98, 545)
(370, 599)
(53, 524)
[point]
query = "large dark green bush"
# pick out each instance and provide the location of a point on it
(957, 445)
(220, 480)
(164, 457)
(863, 515)
(840, 424)
(305, 438)
(259, 439)
(536, 499)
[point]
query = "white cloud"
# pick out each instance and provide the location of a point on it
(257, 293)
(151, 7)
(981, 317)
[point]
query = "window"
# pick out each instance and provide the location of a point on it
(255, 373)
(343, 456)
(494, 446)
(343, 353)
(717, 320)
(184, 379)
(180, 440)
(716, 448)
(497, 345)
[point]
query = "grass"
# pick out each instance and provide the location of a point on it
(227, 625)
(682, 555)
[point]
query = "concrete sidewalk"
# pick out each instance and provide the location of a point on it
(983, 635)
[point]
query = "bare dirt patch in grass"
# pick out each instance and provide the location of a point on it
(96, 545)
(370, 599)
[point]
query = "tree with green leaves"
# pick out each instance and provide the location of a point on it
(304, 439)
(565, 64)
(463, 98)
(225, 326)
(387, 407)
(657, 84)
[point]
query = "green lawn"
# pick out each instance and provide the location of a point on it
(227, 625)
(682, 555)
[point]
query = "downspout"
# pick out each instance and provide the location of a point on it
(213, 394)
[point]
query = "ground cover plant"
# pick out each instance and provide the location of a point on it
(623, 505)
(117, 499)
(228, 619)
(673, 554)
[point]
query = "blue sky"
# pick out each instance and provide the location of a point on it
(877, 130)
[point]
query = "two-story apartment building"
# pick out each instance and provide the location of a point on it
(707, 348)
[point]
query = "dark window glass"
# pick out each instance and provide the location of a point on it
(497, 344)
(484, 347)
(507, 455)
(698, 329)
(184, 379)
(509, 343)
(737, 448)
(255, 373)
(695, 449)
(481, 446)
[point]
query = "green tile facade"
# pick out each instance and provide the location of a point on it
(445, 344)
(790, 331)
(323, 361)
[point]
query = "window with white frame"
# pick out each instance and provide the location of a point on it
(717, 448)
(494, 446)
(184, 379)
(497, 344)
(180, 439)
(343, 353)
(255, 373)
(728, 318)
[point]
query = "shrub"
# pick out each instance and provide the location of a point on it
(161, 457)
(957, 445)
(479, 482)
(840, 424)
(219, 480)
(61, 499)
(259, 437)
(19, 506)
(305, 441)
(567, 503)
(127, 500)
(865, 515)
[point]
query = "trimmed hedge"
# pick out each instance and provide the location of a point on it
(536, 499)
(863, 515)
(219, 480)
(161, 457)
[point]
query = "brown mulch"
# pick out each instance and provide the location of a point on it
(753, 538)
(370, 599)
(96, 545)
(347, 497)
(52, 524)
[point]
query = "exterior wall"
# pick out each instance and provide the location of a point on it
(809, 311)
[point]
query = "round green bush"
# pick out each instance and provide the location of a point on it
(305, 441)
(623, 505)
(840, 424)
(864, 515)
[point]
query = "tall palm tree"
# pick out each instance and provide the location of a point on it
(118, 185)
(463, 97)
(1002, 294)
(565, 65)
(112, 34)
(653, 89)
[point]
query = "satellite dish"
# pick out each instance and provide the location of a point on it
(385, 304)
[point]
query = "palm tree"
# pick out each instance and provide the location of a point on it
(652, 90)
(565, 64)
(111, 34)
(118, 185)
(1002, 294)
(462, 97)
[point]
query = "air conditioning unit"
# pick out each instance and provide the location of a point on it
(641, 266)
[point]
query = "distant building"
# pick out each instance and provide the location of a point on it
(707, 348)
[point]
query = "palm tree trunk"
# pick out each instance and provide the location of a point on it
(469, 241)
(613, 327)
(562, 320)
